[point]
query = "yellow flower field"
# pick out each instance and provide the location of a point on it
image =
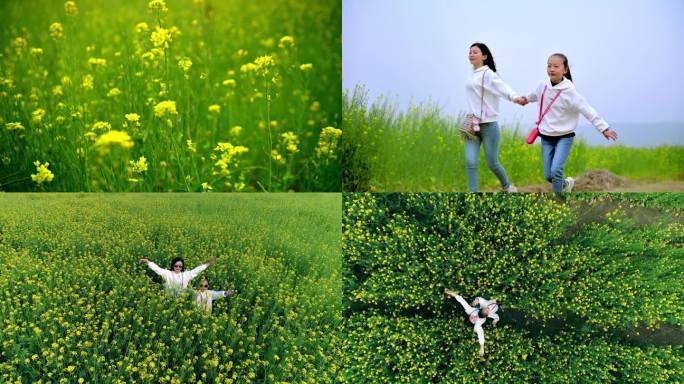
(90, 86)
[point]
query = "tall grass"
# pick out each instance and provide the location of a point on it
(420, 150)
(263, 75)
(76, 304)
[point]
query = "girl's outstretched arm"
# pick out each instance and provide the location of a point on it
(220, 294)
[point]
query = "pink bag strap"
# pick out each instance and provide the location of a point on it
(541, 104)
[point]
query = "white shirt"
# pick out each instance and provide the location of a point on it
(480, 321)
(205, 299)
(494, 88)
(563, 116)
(176, 282)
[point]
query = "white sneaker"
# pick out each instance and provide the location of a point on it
(511, 189)
(569, 183)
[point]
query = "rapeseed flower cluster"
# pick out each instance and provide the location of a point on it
(43, 174)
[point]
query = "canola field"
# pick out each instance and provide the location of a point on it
(176, 95)
(76, 306)
(589, 287)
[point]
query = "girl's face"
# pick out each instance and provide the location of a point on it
(556, 69)
(476, 57)
(204, 285)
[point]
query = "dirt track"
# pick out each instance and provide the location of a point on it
(599, 180)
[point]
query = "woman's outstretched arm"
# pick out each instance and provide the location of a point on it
(157, 269)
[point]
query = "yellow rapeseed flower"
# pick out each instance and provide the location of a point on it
(19, 43)
(275, 155)
(306, 67)
(87, 83)
(164, 107)
(112, 138)
(206, 186)
(43, 173)
(192, 147)
(97, 62)
(327, 142)
(37, 115)
(229, 82)
(101, 126)
(290, 141)
(214, 108)
(235, 131)
(36, 51)
(263, 63)
(56, 31)
(57, 90)
(114, 92)
(140, 165)
(249, 67)
(70, 8)
(185, 63)
(161, 37)
(286, 41)
(141, 27)
(133, 117)
(14, 126)
(159, 5)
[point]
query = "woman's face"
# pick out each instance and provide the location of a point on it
(476, 57)
(556, 69)
(178, 267)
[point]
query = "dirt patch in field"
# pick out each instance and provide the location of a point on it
(601, 180)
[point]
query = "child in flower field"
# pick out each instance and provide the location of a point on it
(176, 279)
(478, 314)
(205, 297)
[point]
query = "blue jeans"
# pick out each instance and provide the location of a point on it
(490, 137)
(555, 153)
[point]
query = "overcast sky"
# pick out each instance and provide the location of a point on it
(626, 56)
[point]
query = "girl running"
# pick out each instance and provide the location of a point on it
(559, 109)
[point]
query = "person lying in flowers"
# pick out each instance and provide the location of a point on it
(205, 297)
(176, 279)
(478, 315)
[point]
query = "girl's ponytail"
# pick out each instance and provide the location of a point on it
(565, 63)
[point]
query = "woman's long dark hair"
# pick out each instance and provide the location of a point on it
(489, 61)
(177, 259)
(565, 63)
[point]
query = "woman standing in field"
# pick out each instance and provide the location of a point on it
(483, 90)
(478, 316)
(559, 109)
(176, 279)
(206, 297)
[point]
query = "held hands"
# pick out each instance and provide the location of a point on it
(609, 134)
(522, 100)
(143, 261)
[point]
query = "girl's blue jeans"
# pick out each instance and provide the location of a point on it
(555, 154)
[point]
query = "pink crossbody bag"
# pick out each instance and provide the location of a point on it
(535, 132)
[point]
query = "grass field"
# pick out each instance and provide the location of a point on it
(590, 287)
(421, 150)
(182, 95)
(76, 305)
